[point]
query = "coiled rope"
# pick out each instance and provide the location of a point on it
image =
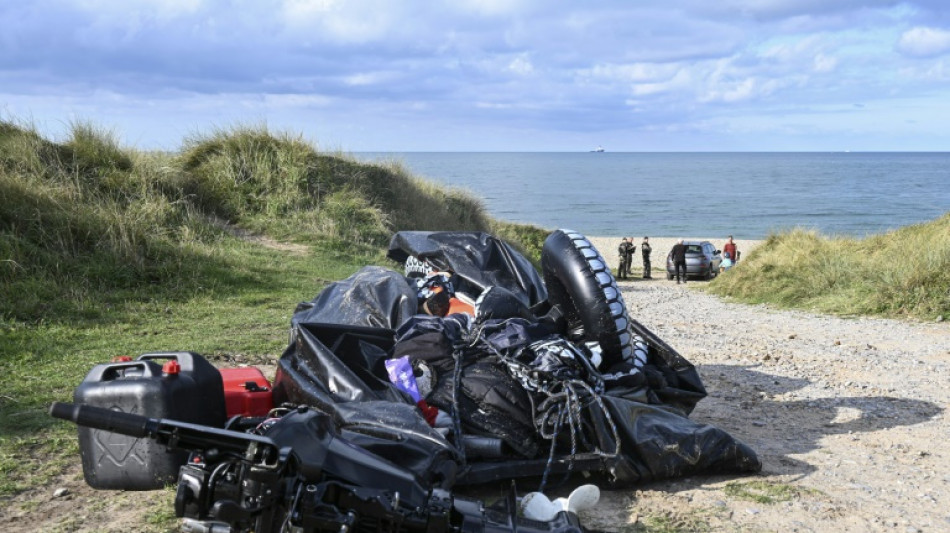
(564, 400)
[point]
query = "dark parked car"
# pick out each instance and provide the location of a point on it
(702, 260)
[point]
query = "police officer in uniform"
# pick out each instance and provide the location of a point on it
(645, 249)
(625, 251)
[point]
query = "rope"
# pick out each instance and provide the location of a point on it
(562, 405)
(547, 466)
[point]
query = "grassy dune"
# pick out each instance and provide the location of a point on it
(903, 273)
(86, 224)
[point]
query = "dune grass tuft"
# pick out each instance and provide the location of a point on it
(905, 272)
(250, 174)
(83, 218)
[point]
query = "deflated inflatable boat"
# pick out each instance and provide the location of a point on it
(542, 377)
(466, 366)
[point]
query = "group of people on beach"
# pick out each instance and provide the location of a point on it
(626, 250)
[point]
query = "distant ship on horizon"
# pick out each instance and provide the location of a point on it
(598, 149)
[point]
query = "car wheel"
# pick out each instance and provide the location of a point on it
(709, 273)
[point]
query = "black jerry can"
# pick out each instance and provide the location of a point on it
(180, 389)
(209, 408)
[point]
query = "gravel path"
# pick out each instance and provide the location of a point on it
(847, 415)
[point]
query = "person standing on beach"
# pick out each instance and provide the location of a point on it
(645, 249)
(630, 252)
(731, 249)
(625, 250)
(678, 254)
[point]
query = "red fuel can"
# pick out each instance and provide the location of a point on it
(246, 392)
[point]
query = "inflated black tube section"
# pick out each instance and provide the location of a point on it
(580, 282)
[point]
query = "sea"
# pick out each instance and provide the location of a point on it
(747, 195)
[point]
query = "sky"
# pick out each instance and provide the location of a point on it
(487, 75)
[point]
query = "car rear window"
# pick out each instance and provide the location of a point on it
(694, 249)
